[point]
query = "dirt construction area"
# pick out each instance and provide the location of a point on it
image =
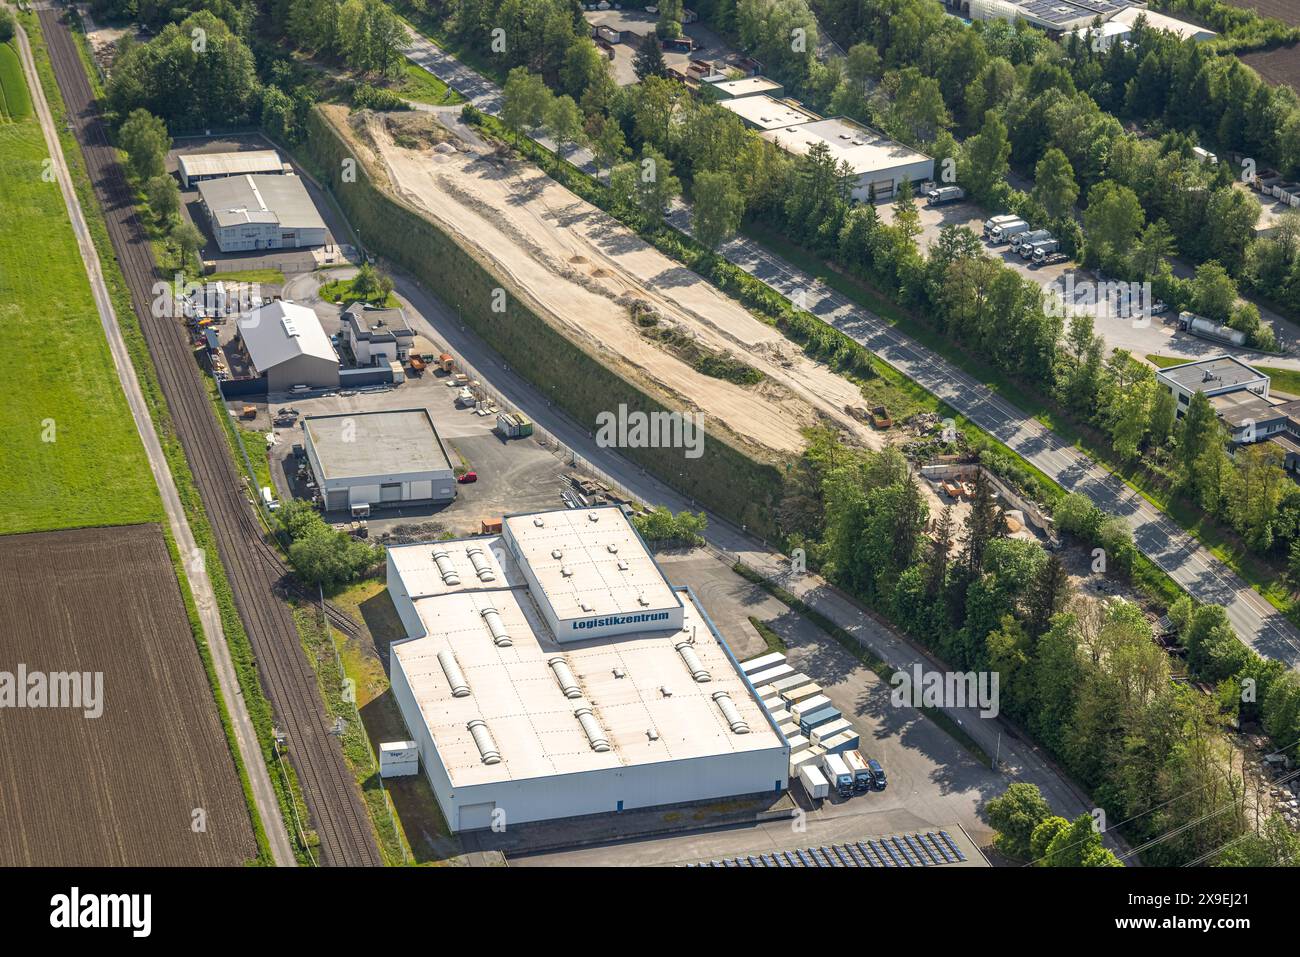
(127, 765)
(586, 272)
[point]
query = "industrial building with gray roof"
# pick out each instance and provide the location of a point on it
(254, 211)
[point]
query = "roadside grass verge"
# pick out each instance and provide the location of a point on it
(341, 291)
(422, 86)
(771, 639)
(863, 652)
(283, 777)
(272, 277)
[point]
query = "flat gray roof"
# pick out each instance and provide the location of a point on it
(361, 444)
(236, 200)
(1217, 372)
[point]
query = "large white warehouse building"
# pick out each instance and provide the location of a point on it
(551, 671)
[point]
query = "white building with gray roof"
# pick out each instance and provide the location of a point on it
(253, 211)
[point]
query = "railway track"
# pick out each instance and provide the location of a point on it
(333, 800)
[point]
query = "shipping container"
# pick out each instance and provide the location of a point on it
(754, 665)
(768, 675)
(844, 741)
(812, 719)
(814, 782)
(772, 704)
(793, 696)
(796, 680)
(831, 728)
(782, 716)
(810, 703)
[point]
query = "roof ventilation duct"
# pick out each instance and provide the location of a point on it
(564, 675)
(455, 677)
(482, 567)
(487, 748)
(497, 627)
(445, 568)
(730, 712)
(595, 734)
(693, 663)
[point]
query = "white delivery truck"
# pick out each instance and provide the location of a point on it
(1024, 243)
(1045, 250)
(838, 773)
(1005, 232)
(944, 194)
(995, 221)
(862, 776)
(814, 782)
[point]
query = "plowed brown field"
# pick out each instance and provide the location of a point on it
(126, 787)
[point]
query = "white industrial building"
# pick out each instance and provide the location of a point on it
(551, 671)
(880, 164)
(377, 336)
(261, 212)
(1213, 376)
(726, 89)
(286, 344)
(194, 168)
(762, 112)
(364, 460)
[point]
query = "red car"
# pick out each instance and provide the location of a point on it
(467, 478)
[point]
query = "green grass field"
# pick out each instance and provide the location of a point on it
(15, 104)
(72, 455)
(422, 86)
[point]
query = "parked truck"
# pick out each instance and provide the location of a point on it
(1048, 249)
(814, 782)
(1005, 232)
(862, 776)
(944, 194)
(995, 221)
(1209, 329)
(838, 774)
(1024, 243)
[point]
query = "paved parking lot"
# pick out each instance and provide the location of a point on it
(932, 780)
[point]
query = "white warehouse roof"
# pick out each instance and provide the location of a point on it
(864, 149)
(767, 113)
(230, 164)
(503, 701)
(281, 331)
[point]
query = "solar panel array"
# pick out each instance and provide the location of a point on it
(899, 850)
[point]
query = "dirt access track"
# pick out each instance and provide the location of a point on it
(123, 788)
(584, 269)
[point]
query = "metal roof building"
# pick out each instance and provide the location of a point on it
(370, 459)
(745, 86)
(286, 344)
(196, 167)
(879, 163)
(551, 671)
(261, 212)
